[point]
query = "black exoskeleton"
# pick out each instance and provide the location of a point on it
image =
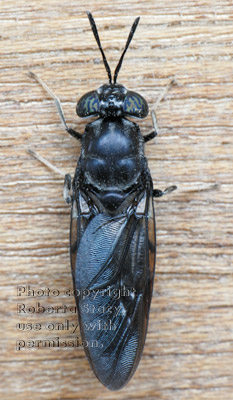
(112, 235)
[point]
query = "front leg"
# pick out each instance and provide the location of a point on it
(154, 133)
(71, 131)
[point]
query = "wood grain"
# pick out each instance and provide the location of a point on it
(189, 348)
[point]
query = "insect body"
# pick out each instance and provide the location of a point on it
(112, 238)
(113, 232)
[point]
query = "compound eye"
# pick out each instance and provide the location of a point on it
(88, 105)
(135, 105)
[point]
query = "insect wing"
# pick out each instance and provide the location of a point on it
(113, 269)
(80, 216)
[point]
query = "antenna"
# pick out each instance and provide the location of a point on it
(95, 32)
(131, 33)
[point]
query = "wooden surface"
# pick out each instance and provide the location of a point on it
(189, 348)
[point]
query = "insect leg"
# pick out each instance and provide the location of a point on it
(67, 181)
(46, 162)
(71, 131)
(154, 133)
(67, 188)
(160, 193)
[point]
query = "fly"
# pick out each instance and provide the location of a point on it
(112, 234)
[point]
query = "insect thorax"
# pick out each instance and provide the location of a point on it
(112, 155)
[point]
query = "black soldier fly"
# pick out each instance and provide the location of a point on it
(112, 235)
